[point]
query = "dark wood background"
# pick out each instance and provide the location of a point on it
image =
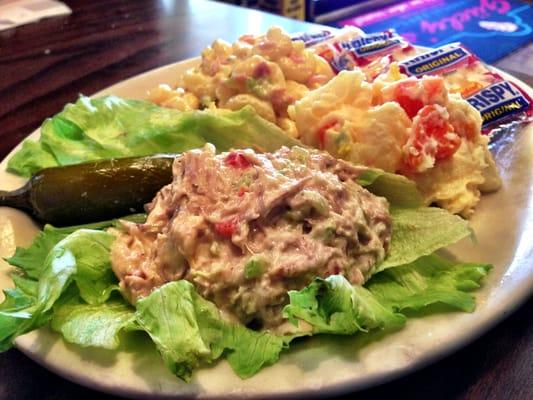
(45, 65)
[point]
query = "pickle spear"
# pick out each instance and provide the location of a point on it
(92, 191)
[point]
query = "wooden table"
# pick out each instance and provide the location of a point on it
(43, 66)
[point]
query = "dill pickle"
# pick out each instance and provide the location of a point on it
(92, 191)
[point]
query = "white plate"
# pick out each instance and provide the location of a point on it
(503, 224)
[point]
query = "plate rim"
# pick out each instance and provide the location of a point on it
(342, 387)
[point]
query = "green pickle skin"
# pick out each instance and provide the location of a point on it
(98, 190)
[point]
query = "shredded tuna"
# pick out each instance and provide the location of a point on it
(247, 230)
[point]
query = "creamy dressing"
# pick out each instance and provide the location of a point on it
(245, 228)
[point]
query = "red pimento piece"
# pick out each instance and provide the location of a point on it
(241, 191)
(261, 70)
(226, 228)
(237, 159)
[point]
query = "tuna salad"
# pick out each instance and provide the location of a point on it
(245, 228)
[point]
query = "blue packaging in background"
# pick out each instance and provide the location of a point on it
(490, 28)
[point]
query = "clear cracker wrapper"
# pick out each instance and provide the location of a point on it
(311, 38)
(344, 34)
(497, 99)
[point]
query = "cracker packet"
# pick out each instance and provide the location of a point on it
(498, 100)
(372, 53)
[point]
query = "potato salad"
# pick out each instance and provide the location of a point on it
(409, 126)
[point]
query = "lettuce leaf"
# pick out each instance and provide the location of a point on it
(30, 259)
(81, 257)
(30, 158)
(334, 306)
(93, 129)
(96, 325)
(399, 191)
(13, 309)
(203, 334)
(426, 281)
(418, 232)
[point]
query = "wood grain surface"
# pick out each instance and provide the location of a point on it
(45, 65)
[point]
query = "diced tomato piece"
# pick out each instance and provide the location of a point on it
(237, 159)
(433, 136)
(405, 94)
(241, 191)
(412, 94)
(226, 228)
(438, 127)
(434, 88)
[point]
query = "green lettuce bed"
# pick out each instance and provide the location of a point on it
(75, 291)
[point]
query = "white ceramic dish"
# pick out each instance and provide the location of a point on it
(503, 224)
